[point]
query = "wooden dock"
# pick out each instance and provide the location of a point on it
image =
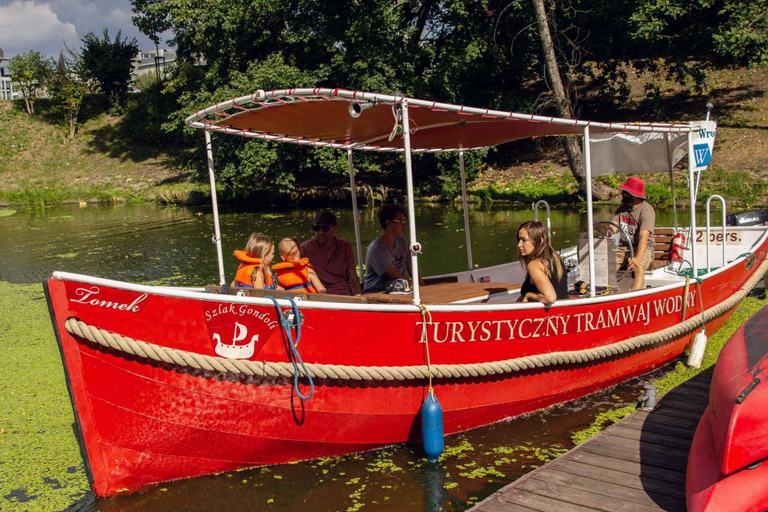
(636, 465)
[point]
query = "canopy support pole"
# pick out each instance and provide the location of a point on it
(415, 246)
(671, 181)
(466, 210)
(353, 188)
(590, 221)
(692, 187)
(216, 229)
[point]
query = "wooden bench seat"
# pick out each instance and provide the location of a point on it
(663, 247)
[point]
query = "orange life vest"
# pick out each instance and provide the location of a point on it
(244, 275)
(294, 275)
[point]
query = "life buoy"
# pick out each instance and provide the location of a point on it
(294, 275)
(244, 275)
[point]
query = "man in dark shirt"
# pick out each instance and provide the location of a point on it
(331, 257)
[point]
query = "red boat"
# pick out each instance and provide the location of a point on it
(727, 465)
(169, 383)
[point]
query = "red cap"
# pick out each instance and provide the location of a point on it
(634, 186)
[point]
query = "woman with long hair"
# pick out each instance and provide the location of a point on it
(546, 280)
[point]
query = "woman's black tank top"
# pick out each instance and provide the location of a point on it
(560, 285)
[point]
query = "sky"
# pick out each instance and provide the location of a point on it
(45, 25)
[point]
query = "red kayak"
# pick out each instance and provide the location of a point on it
(728, 466)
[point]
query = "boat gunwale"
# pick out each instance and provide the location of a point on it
(186, 293)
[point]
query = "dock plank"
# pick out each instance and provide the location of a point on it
(497, 505)
(633, 481)
(649, 437)
(539, 503)
(625, 466)
(610, 489)
(648, 426)
(650, 455)
(582, 498)
(636, 465)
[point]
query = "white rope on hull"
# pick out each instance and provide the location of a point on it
(183, 358)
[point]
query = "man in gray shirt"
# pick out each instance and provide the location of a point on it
(637, 218)
(387, 257)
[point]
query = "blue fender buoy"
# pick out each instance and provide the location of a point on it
(432, 426)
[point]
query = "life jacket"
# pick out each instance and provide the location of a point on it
(294, 275)
(243, 277)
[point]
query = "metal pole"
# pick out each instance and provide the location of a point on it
(216, 229)
(692, 193)
(590, 231)
(358, 243)
(415, 247)
(671, 180)
(466, 210)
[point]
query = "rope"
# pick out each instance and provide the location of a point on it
(426, 315)
(159, 353)
(288, 328)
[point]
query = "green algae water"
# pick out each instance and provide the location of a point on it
(40, 463)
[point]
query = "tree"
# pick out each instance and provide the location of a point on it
(563, 103)
(28, 71)
(67, 85)
(109, 63)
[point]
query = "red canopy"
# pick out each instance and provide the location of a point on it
(321, 117)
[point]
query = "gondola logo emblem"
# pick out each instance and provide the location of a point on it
(233, 350)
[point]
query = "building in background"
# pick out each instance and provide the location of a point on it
(153, 61)
(7, 91)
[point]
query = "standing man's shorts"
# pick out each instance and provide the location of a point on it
(622, 259)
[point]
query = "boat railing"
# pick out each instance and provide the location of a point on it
(536, 214)
(715, 196)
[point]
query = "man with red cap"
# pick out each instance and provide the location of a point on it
(637, 218)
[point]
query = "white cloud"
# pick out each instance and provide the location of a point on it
(42, 25)
(27, 25)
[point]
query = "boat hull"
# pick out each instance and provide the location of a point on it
(726, 466)
(143, 422)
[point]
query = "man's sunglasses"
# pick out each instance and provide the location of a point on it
(399, 221)
(321, 227)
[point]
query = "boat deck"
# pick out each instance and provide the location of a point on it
(636, 465)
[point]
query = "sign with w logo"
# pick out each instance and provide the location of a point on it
(703, 143)
(702, 154)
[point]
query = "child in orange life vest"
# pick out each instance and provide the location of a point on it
(254, 271)
(295, 273)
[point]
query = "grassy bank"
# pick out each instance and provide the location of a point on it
(682, 373)
(39, 165)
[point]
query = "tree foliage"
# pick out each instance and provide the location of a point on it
(67, 85)
(109, 63)
(29, 71)
(475, 52)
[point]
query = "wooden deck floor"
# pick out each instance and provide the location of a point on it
(636, 465)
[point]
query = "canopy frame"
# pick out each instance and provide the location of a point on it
(211, 120)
